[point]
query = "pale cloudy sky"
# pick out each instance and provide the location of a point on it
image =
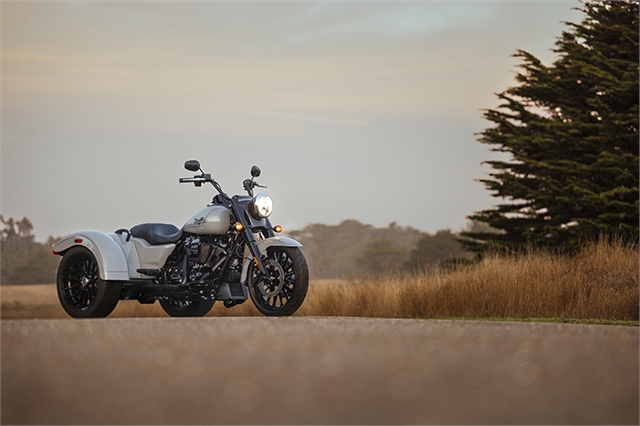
(353, 110)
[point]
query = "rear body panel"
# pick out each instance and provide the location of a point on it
(118, 259)
(111, 259)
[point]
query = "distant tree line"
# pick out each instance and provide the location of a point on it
(352, 248)
(22, 259)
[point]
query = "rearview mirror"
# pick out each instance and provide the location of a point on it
(255, 171)
(192, 165)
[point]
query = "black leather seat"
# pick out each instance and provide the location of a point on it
(157, 233)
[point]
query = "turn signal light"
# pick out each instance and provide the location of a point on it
(239, 226)
(277, 229)
(77, 240)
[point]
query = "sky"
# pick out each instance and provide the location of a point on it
(353, 110)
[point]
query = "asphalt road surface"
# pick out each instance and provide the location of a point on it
(305, 370)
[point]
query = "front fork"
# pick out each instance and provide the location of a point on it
(239, 210)
(253, 249)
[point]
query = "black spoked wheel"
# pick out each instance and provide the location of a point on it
(186, 308)
(280, 291)
(81, 292)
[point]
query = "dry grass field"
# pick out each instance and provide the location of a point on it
(601, 283)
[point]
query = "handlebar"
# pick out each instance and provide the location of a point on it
(193, 179)
(199, 180)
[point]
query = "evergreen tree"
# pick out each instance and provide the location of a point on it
(572, 132)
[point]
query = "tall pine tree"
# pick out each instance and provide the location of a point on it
(571, 130)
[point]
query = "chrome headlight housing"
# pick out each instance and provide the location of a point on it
(261, 206)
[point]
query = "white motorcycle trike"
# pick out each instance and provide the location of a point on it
(227, 251)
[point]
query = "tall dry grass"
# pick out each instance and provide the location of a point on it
(599, 283)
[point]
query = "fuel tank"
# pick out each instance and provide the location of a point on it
(211, 220)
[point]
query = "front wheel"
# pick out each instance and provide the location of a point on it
(280, 291)
(81, 292)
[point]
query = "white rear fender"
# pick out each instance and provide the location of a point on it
(112, 261)
(262, 247)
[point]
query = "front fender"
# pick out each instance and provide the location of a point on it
(263, 245)
(276, 241)
(112, 261)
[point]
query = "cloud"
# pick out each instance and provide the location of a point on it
(392, 22)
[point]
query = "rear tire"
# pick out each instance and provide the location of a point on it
(186, 308)
(81, 292)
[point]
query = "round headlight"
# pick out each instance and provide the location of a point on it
(261, 206)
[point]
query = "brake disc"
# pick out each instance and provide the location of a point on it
(272, 282)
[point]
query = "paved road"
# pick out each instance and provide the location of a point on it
(307, 370)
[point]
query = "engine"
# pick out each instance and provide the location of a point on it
(197, 264)
(205, 254)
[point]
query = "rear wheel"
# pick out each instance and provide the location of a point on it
(81, 292)
(186, 308)
(281, 291)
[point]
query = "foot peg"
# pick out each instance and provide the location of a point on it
(150, 272)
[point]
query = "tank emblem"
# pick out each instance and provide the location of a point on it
(199, 221)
